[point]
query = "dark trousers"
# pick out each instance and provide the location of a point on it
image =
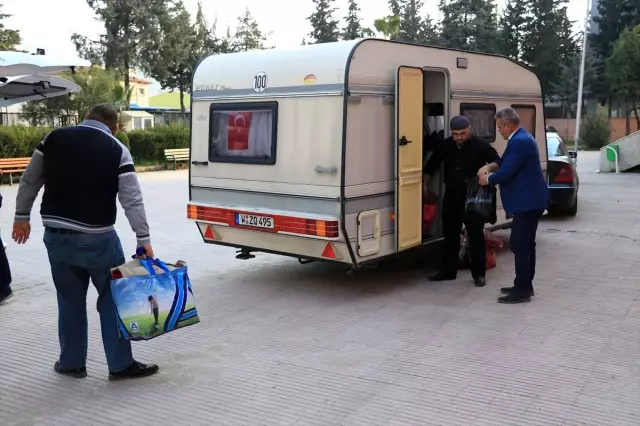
(453, 217)
(5, 271)
(523, 246)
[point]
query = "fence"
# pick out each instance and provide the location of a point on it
(566, 127)
(15, 118)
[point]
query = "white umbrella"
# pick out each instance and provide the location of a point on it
(19, 63)
(18, 89)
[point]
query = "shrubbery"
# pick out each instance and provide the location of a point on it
(145, 145)
(595, 132)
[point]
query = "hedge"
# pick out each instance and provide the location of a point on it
(145, 145)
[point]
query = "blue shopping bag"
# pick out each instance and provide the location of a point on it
(152, 298)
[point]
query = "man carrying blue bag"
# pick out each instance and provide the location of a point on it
(83, 170)
(152, 297)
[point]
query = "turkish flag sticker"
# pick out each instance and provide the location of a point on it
(238, 133)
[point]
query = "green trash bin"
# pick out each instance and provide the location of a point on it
(610, 155)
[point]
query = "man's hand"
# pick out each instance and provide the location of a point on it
(484, 179)
(484, 170)
(149, 250)
(21, 232)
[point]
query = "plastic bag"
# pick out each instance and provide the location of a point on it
(480, 201)
(492, 243)
(152, 298)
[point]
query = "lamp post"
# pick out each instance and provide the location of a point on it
(581, 78)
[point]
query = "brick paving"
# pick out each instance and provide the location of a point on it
(288, 344)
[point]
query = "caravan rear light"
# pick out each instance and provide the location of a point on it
(322, 228)
(281, 224)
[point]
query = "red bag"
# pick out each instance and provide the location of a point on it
(429, 212)
(490, 258)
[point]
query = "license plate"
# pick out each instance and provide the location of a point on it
(243, 219)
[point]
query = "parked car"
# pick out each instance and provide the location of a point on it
(562, 177)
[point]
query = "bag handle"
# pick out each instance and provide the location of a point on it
(149, 262)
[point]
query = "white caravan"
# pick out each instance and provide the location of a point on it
(316, 152)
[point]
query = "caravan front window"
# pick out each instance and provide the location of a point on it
(243, 133)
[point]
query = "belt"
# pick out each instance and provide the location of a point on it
(63, 231)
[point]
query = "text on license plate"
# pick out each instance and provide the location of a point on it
(253, 220)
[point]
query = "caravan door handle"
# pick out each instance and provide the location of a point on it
(331, 170)
(200, 163)
(404, 141)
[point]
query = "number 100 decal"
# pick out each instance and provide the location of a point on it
(260, 82)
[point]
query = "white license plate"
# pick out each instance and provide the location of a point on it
(243, 219)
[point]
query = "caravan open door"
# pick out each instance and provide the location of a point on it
(409, 129)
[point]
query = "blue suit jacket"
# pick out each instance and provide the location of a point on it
(523, 186)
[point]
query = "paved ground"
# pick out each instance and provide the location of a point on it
(286, 344)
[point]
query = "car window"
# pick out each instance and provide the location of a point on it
(562, 149)
(553, 144)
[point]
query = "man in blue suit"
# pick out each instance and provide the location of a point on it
(525, 196)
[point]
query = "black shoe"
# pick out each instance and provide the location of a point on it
(508, 290)
(5, 295)
(480, 281)
(135, 371)
(513, 298)
(441, 276)
(76, 373)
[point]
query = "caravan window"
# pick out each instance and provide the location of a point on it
(527, 114)
(243, 133)
(482, 118)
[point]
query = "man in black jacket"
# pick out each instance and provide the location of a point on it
(463, 154)
(5, 271)
(84, 169)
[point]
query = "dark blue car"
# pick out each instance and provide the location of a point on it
(562, 177)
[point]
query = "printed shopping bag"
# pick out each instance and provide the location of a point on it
(152, 298)
(481, 201)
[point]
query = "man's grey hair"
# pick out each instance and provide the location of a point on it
(508, 115)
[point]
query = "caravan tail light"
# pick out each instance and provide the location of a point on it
(276, 224)
(565, 175)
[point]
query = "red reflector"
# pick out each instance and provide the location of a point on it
(328, 252)
(208, 234)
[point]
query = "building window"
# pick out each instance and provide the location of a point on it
(482, 118)
(141, 91)
(243, 133)
(148, 123)
(527, 114)
(137, 124)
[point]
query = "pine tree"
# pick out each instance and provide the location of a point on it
(324, 25)
(353, 30)
(549, 41)
(9, 39)
(511, 29)
(469, 25)
(248, 35)
(411, 22)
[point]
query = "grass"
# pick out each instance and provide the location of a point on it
(146, 322)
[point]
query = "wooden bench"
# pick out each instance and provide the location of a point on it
(175, 155)
(13, 165)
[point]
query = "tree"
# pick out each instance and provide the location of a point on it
(9, 39)
(511, 29)
(389, 27)
(169, 56)
(549, 42)
(324, 25)
(565, 89)
(469, 25)
(612, 17)
(353, 30)
(98, 86)
(129, 24)
(248, 35)
(622, 71)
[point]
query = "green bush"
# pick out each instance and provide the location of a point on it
(145, 145)
(595, 132)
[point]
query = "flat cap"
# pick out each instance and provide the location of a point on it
(459, 122)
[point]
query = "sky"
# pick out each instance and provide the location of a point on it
(49, 24)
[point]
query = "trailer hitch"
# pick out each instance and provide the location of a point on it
(244, 254)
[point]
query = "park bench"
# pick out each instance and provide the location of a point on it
(175, 155)
(13, 165)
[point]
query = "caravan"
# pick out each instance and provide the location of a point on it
(317, 152)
